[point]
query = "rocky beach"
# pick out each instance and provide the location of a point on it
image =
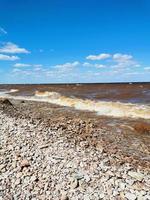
(75, 100)
(51, 152)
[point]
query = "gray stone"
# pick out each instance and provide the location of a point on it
(130, 196)
(136, 175)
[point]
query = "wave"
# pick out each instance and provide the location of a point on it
(52, 95)
(3, 91)
(114, 109)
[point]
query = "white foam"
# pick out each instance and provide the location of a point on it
(115, 109)
(3, 92)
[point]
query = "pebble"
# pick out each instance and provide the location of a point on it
(102, 195)
(24, 163)
(87, 178)
(75, 184)
(2, 166)
(130, 196)
(17, 182)
(136, 175)
(33, 178)
(49, 157)
(64, 196)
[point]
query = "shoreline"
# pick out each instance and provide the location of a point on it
(68, 154)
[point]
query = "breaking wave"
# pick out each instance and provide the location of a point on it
(115, 109)
(3, 92)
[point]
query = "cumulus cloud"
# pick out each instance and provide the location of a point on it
(66, 66)
(124, 61)
(101, 56)
(16, 70)
(118, 57)
(87, 64)
(100, 66)
(22, 72)
(119, 66)
(6, 57)
(133, 73)
(2, 31)
(65, 71)
(37, 65)
(27, 65)
(21, 65)
(147, 68)
(118, 60)
(12, 48)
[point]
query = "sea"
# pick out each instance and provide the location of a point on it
(129, 100)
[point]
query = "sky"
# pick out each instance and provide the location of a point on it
(74, 41)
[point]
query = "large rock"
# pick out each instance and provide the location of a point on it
(6, 102)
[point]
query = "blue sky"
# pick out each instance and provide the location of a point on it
(59, 41)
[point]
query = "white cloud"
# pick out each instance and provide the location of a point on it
(16, 70)
(87, 64)
(137, 65)
(101, 56)
(133, 73)
(119, 66)
(66, 70)
(2, 31)
(27, 65)
(67, 66)
(147, 68)
(38, 69)
(21, 72)
(37, 65)
(12, 48)
(99, 66)
(6, 57)
(21, 65)
(121, 58)
(124, 61)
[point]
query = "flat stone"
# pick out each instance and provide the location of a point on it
(136, 175)
(87, 178)
(122, 186)
(79, 176)
(130, 196)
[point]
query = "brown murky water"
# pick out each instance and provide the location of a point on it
(123, 92)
